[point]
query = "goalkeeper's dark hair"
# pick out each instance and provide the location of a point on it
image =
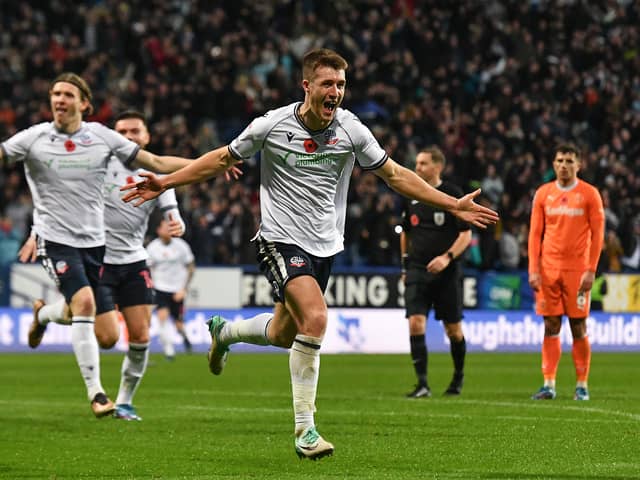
(127, 114)
(567, 148)
(80, 83)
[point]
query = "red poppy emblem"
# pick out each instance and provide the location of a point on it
(310, 146)
(69, 145)
(414, 220)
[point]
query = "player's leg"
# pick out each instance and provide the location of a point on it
(306, 305)
(578, 308)
(275, 328)
(177, 313)
(549, 305)
(135, 298)
(581, 353)
(165, 329)
(43, 314)
(134, 365)
(75, 271)
(85, 347)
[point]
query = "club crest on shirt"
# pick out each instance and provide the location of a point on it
(61, 267)
(438, 218)
(297, 261)
(85, 139)
(330, 137)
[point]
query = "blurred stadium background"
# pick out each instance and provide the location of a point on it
(494, 83)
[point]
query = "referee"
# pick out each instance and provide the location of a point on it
(431, 242)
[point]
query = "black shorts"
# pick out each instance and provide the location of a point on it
(443, 292)
(70, 268)
(124, 285)
(281, 262)
(165, 300)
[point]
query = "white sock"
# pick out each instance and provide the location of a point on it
(550, 383)
(85, 347)
(133, 368)
(252, 330)
(582, 384)
(304, 365)
(53, 312)
(166, 338)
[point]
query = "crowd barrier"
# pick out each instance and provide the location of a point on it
(363, 330)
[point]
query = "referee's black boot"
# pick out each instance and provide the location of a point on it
(455, 387)
(421, 391)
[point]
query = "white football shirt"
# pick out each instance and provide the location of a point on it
(65, 173)
(305, 175)
(125, 224)
(168, 263)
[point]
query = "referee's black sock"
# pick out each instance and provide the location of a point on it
(458, 352)
(419, 357)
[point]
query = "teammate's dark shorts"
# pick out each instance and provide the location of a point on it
(124, 285)
(281, 262)
(70, 268)
(165, 300)
(443, 292)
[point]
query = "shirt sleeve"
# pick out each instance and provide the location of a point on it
(536, 229)
(596, 223)
(252, 138)
(369, 153)
(121, 147)
(168, 205)
(188, 254)
(16, 148)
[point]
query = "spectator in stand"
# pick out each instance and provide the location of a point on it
(468, 75)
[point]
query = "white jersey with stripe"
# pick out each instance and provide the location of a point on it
(305, 175)
(125, 224)
(168, 263)
(66, 173)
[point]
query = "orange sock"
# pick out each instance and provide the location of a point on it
(582, 358)
(551, 351)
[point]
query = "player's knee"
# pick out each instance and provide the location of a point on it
(83, 303)
(283, 339)
(108, 339)
(314, 323)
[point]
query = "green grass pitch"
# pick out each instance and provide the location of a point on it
(240, 426)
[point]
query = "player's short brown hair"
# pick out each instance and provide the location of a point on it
(80, 83)
(321, 57)
(567, 148)
(436, 154)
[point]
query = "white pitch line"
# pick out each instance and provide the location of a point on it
(549, 404)
(352, 413)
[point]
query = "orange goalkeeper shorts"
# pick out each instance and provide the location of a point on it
(558, 294)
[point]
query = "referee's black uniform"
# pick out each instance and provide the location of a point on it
(431, 232)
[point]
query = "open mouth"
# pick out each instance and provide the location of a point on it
(330, 106)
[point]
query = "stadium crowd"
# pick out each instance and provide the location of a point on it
(496, 84)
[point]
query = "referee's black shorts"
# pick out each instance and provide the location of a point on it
(443, 292)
